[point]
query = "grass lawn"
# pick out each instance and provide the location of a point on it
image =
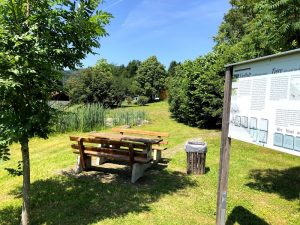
(264, 185)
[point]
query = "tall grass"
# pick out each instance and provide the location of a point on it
(90, 117)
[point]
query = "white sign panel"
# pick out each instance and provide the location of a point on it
(265, 103)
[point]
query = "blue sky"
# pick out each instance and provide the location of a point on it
(170, 29)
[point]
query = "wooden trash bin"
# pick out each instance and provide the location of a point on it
(196, 156)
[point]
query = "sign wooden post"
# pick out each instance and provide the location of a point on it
(224, 151)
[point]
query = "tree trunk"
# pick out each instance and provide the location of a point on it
(26, 181)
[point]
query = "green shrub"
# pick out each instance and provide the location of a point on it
(129, 100)
(142, 100)
(196, 92)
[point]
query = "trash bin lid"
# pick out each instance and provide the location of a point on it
(196, 146)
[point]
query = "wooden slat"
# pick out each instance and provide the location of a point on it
(124, 152)
(120, 137)
(163, 143)
(116, 157)
(155, 147)
(108, 142)
(132, 131)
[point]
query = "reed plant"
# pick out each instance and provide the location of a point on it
(90, 117)
(126, 117)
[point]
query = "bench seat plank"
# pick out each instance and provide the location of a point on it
(114, 156)
(119, 151)
(132, 131)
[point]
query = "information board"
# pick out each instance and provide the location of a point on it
(265, 103)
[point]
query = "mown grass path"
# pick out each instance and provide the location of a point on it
(264, 185)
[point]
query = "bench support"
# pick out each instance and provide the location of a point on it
(156, 155)
(88, 164)
(138, 170)
(100, 161)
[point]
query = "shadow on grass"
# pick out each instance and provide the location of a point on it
(286, 182)
(207, 169)
(243, 216)
(95, 196)
(10, 216)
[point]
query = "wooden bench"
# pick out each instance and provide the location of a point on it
(157, 149)
(104, 149)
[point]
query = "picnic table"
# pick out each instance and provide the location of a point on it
(148, 141)
(137, 151)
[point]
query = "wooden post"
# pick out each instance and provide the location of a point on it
(82, 155)
(224, 151)
(131, 155)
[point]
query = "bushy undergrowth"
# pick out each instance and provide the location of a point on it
(142, 100)
(95, 117)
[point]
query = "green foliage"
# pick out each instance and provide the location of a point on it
(151, 77)
(15, 172)
(105, 83)
(124, 77)
(254, 28)
(80, 118)
(172, 67)
(132, 67)
(90, 117)
(127, 117)
(129, 100)
(195, 93)
(92, 85)
(36, 41)
(250, 29)
(142, 100)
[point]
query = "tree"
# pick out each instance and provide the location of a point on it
(275, 28)
(38, 38)
(124, 77)
(151, 77)
(171, 69)
(99, 84)
(254, 28)
(250, 29)
(90, 86)
(132, 68)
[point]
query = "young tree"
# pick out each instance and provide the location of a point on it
(38, 38)
(151, 77)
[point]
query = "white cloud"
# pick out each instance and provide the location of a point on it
(161, 13)
(113, 4)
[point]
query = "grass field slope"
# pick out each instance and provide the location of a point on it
(264, 185)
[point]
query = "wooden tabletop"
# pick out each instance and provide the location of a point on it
(120, 137)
